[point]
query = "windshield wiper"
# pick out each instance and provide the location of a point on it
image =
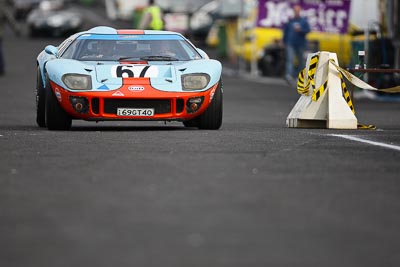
(131, 57)
(159, 58)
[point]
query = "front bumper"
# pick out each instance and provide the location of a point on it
(103, 105)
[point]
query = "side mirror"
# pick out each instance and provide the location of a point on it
(51, 50)
(202, 53)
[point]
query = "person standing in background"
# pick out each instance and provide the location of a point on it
(5, 17)
(294, 39)
(152, 18)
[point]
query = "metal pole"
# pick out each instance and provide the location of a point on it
(240, 29)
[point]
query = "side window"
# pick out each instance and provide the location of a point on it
(190, 52)
(69, 51)
(64, 45)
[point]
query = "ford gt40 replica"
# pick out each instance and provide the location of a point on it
(108, 74)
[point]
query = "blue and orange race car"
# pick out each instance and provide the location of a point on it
(108, 74)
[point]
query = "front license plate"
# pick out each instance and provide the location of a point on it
(137, 112)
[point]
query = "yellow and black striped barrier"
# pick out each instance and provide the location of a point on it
(304, 87)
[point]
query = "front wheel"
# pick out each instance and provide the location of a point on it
(56, 117)
(211, 119)
(40, 100)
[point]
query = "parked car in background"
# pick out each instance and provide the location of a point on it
(52, 19)
(203, 19)
(21, 8)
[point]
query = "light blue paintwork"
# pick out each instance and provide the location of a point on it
(167, 79)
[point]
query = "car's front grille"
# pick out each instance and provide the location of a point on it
(160, 106)
(180, 104)
(95, 105)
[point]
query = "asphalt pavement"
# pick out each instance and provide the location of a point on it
(254, 193)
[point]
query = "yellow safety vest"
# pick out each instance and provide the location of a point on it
(156, 18)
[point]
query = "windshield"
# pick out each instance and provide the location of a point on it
(142, 47)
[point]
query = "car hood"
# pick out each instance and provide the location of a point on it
(113, 73)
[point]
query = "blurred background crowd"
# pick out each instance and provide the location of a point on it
(245, 33)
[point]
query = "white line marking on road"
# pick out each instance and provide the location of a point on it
(353, 138)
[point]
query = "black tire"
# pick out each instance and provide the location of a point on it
(56, 117)
(211, 119)
(40, 100)
(192, 123)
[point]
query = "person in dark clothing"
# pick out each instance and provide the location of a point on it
(5, 17)
(294, 39)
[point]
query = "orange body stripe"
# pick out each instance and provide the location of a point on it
(130, 31)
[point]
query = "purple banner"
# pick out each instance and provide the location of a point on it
(323, 15)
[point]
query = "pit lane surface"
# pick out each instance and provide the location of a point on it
(254, 193)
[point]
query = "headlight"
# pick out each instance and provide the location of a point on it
(77, 81)
(195, 81)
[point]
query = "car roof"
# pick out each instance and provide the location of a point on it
(110, 30)
(104, 32)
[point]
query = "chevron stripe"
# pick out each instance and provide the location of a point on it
(346, 93)
(318, 93)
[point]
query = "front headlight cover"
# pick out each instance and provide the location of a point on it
(77, 81)
(195, 81)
